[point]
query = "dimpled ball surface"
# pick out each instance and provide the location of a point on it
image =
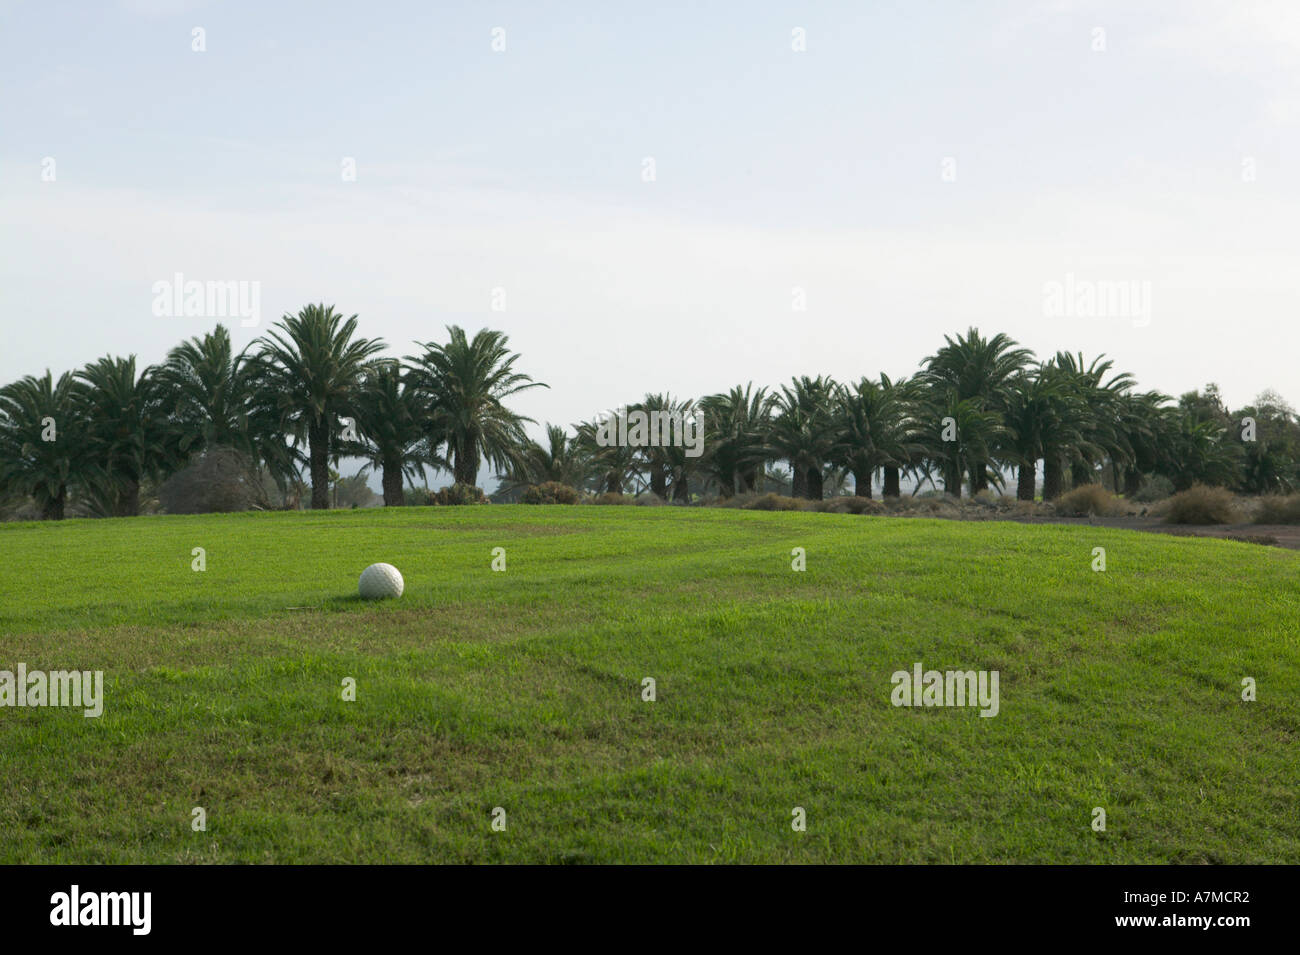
(379, 581)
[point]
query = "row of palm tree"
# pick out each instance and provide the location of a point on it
(306, 394)
(978, 411)
(312, 391)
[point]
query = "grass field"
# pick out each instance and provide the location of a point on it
(522, 689)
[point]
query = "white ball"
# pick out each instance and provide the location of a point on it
(379, 581)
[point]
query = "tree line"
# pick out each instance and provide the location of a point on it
(312, 391)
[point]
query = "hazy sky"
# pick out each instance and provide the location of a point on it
(920, 167)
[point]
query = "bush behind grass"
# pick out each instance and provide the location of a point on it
(1278, 509)
(458, 494)
(552, 492)
(610, 498)
(1087, 499)
(1200, 505)
(1155, 487)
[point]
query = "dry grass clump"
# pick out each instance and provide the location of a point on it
(774, 502)
(552, 492)
(1200, 505)
(1279, 509)
(849, 505)
(1087, 499)
(609, 497)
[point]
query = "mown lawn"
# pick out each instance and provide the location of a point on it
(522, 689)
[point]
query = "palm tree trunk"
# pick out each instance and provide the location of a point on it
(749, 480)
(318, 439)
(1132, 481)
(952, 480)
(613, 483)
(53, 510)
(659, 481)
(862, 483)
(798, 482)
(392, 484)
(891, 483)
(682, 490)
(128, 498)
(1053, 474)
(815, 492)
(1026, 480)
(466, 469)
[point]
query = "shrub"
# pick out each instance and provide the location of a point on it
(736, 500)
(220, 480)
(649, 499)
(1200, 505)
(775, 502)
(458, 494)
(849, 505)
(1086, 499)
(552, 492)
(1279, 509)
(609, 497)
(935, 504)
(22, 511)
(1157, 487)
(353, 492)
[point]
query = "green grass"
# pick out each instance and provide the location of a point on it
(522, 690)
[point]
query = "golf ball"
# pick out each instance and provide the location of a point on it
(379, 581)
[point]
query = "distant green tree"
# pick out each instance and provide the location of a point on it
(42, 441)
(466, 382)
(310, 366)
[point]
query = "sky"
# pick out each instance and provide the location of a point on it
(669, 197)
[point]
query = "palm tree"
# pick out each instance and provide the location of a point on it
(41, 440)
(802, 432)
(873, 430)
(390, 418)
(311, 369)
(560, 461)
(662, 459)
(465, 382)
(974, 369)
(1037, 404)
(655, 456)
(208, 389)
(682, 466)
(910, 395)
(1102, 436)
(218, 399)
(615, 465)
(735, 428)
(130, 434)
(1138, 426)
(1064, 429)
(959, 437)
